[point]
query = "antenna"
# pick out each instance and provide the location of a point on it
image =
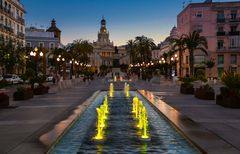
(183, 3)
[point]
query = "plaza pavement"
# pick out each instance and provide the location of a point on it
(21, 127)
(221, 121)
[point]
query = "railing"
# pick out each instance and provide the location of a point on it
(234, 20)
(21, 19)
(234, 48)
(221, 48)
(234, 33)
(222, 20)
(20, 35)
(221, 33)
(9, 29)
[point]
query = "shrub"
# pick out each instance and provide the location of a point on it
(3, 83)
(40, 90)
(22, 94)
(232, 81)
(200, 75)
(4, 100)
(205, 92)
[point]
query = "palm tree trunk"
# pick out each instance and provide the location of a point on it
(191, 56)
(180, 63)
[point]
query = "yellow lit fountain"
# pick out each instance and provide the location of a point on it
(126, 89)
(140, 114)
(102, 116)
(111, 90)
(115, 78)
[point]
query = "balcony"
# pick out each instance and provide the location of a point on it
(220, 20)
(221, 48)
(221, 33)
(20, 35)
(234, 48)
(234, 20)
(21, 20)
(9, 29)
(234, 33)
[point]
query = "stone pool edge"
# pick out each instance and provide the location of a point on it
(51, 138)
(200, 137)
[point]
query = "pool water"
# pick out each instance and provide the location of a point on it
(121, 135)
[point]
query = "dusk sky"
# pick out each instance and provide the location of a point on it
(126, 19)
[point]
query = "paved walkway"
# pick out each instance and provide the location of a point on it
(21, 127)
(223, 122)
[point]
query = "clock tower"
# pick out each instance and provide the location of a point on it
(103, 35)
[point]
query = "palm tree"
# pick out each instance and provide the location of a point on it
(131, 49)
(179, 46)
(195, 42)
(143, 47)
(80, 50)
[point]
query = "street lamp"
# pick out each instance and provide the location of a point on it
(61, 59)
(35, 54)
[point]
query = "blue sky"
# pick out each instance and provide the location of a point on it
(126, 19)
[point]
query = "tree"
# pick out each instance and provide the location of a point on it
(195, 42)
(131, 49)
(179, 46)
(143, 47)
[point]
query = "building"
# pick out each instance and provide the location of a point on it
(12, 23)
(219, 22)
(44, 40)
(104, 50)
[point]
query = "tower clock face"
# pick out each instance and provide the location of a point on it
(104, 30)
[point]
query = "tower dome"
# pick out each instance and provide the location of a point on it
(103, 21)
(174, 32)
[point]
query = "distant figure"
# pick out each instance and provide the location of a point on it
(54, 80)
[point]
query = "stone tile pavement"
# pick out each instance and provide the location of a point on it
(21, 127)
(221, 121)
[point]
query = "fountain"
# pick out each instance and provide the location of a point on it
(126, 89)
(111, 90)
(141, 116)
(114, 126)
(102, 116)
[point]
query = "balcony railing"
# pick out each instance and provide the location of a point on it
(221, 48)
(221, 33)
(234, 48)
(234, 20)
(220, 20)
(21, 20)
(234, 33)
(9, 29)
(20, 35)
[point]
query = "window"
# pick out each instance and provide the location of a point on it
(199, 59)
(199, 28)
(220, 44)
(186, 59)
(52, 45)
(199, 14)
(41, 45)
(234, 59)
(233, 14)
(28, 44)
(233, 28)
(220, 72)
(220, 15)
(220, 59)
(233, 42)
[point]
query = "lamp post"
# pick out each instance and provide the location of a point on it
(174, 61)
(35, 53)
(60, 60)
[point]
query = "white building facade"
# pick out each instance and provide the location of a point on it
(12, 23)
